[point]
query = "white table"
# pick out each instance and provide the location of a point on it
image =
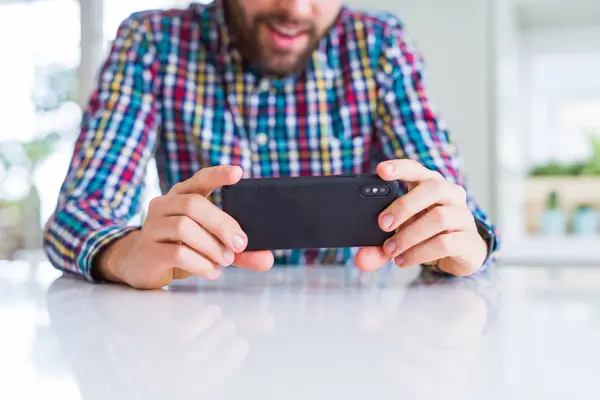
(302, 333)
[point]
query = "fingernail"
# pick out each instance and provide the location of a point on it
(387, 221)
(400, 261)
(214, 274)
(389, 247)
(239, 243)
(389, 167)
(229, 258)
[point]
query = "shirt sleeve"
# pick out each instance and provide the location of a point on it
(102, 188)
(407, 126)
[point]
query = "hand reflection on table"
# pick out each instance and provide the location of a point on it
(124, 344)
(433, 340)
(338, 337)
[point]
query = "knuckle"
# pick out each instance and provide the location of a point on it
(437, 175)
(439, 185)
(440, 188)
(181, 225)
(413, 164)
(221, 224)
(461, 193)
(180, 255)
(445, 244)
(176, 188)
(154, 205)
(207, 172)
(201, 173)
(189, 205)
(440, 216)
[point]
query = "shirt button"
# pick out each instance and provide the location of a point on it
(264, 85)
(262, 139)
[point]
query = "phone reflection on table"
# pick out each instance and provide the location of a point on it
(266, 334)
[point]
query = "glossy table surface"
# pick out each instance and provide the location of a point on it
(303, 333)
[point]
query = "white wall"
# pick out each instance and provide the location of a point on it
(456, 37)
(511, 112)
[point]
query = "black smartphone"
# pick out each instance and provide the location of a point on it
(311, 212)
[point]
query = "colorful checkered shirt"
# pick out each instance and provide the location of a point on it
(175, 88)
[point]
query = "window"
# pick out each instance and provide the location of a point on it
(38, 112)
(565, 106)
(550, 156)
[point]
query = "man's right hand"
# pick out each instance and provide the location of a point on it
(184, 234)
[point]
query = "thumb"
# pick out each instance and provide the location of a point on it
(205, 181)
(260, 261)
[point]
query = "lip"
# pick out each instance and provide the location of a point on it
(283, 28)
(285, 42)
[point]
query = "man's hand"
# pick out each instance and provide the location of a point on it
(433, 224)
(184, 235)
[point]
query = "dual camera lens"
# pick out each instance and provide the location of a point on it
(375, 190)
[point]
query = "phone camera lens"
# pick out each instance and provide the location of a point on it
(381, 190)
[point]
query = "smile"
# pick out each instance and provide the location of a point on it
(287, 31)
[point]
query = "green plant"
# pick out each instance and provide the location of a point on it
(589, 167)
(553, 202)
(584, 206)
(556, 169)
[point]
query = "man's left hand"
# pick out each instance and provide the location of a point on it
(432, 224)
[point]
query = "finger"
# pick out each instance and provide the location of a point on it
(429, 193)
(371, 258)
(212, 369)
(435, 221)
(429, 312)
(184, 229)
(233, 353)
(189, 316)
(204, 345)
(179, 274)
(441, 246)
(171, 256)
(255, 322)
(206, 214)
(192, 321)
(205, 181)
(406, 171)
(259, 261)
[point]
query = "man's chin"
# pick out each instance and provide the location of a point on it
(283, 68)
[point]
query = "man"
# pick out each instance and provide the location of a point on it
(257, 88)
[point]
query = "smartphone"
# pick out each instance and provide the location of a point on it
(310, 212)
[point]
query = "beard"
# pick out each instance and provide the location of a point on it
(247, 37)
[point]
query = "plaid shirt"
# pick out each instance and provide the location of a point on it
(175, 88)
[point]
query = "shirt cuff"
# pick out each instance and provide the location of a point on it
(97, 241)
(490, 238)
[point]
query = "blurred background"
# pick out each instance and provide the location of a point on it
(517, 81)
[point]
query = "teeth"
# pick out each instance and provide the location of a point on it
(287, 31)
